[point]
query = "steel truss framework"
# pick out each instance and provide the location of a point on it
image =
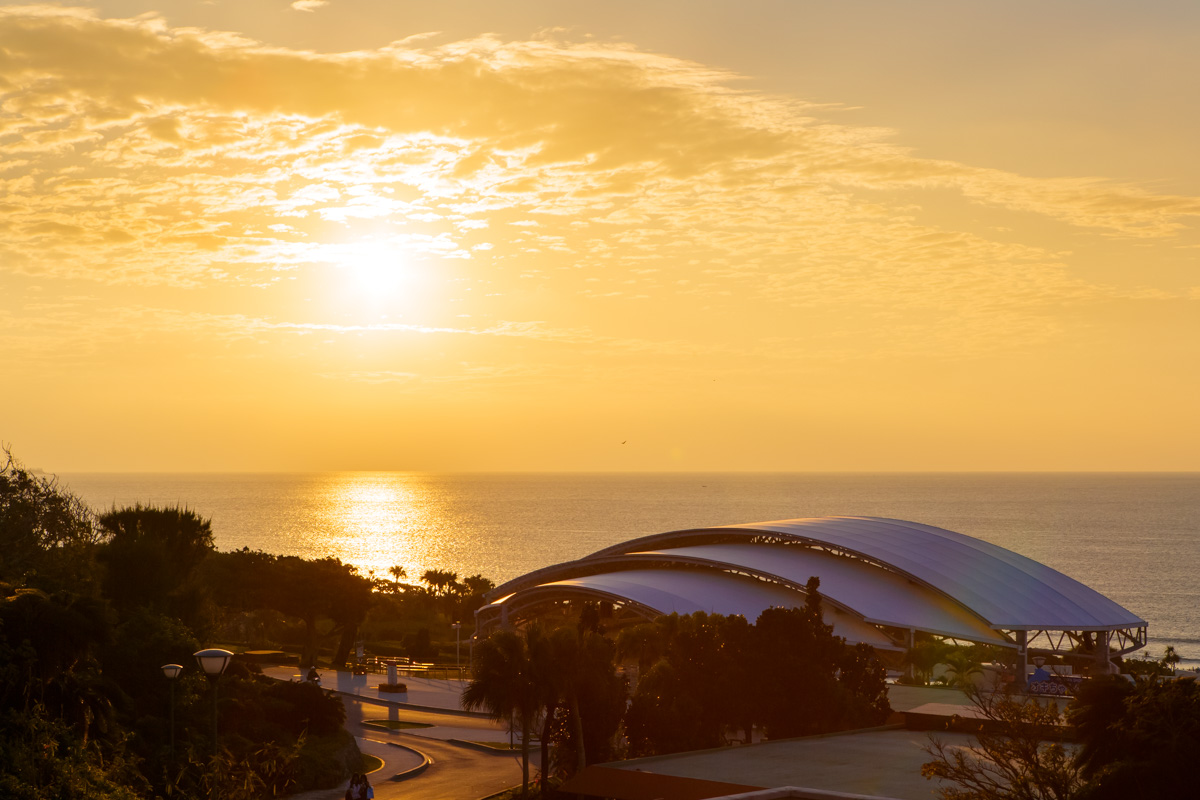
(1120, 642)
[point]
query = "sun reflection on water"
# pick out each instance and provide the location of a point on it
(376, 520)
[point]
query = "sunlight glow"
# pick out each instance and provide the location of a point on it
(373, 269)
(373, 277)
(376, 519)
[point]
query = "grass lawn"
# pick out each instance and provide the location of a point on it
(395, 724)
(370, 764)
(498, 745)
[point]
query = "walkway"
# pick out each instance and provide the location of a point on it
(424, 692)
(454, 772)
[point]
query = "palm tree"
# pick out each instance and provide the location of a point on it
(645, 642)
(397, 572)
(582, 664)
(962, 663)
(507, 686)
(441, 582)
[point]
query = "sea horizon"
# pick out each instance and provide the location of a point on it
(1134, 537)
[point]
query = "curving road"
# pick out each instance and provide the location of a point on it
(455, 772)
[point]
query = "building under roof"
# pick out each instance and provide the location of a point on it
(882, 581)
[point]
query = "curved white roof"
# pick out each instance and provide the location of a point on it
(1005, 589)
(879, 596)
(686, 591)
(872, 571)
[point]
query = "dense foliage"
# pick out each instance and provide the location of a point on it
(1138, 740)
(1135, 740)
(89, 610)
(705, 675)
(564, 681)
(701, 677)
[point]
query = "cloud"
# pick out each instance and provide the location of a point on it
(136, 154)
(309, 5)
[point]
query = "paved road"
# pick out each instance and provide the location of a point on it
(456, 772)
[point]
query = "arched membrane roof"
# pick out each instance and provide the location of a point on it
(1005, 589)
(686, 591)
(879, 596)
(883, 573)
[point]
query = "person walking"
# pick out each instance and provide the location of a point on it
(360, 788)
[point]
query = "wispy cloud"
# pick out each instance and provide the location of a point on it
(136, 154)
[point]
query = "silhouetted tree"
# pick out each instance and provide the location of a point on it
(1016, 755)
(348, 598)
(644, 643)
(398, 573)
(799, 658)
(663, 716)
(586, 698)
(419, 646)
(440, 582)
(506, 686)
(1138, 741)
(787, 671)
(47, 535)
(150, 556)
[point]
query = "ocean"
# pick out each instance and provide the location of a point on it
(1133, 537)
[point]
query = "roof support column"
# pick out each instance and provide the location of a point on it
(909, 642)
(1022, 660)
(1105, 666)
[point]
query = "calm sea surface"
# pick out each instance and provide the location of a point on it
(1133, 537)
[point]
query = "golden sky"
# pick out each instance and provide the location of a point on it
(473, 236)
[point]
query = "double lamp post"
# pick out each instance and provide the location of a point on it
(212, 663)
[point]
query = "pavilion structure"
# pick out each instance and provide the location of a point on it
(882, 582)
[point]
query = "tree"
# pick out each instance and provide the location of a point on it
(47, 535)
(674, 706)
(787, 671)
(506, 685)
(923, 657)
(398, 573)
(644, 643)
(664, 717)
(1016, 755)
(150, 557)
(738, 676)
(470, 595)
(961, 664)
(441, 582)
(585, 698)
(348, 598)
(310, 589)
(1138, 741)
(811, 682)
(51, 638)
(863, 683)
(294, 590)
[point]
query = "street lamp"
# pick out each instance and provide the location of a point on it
(172, 672)
(457, 665)
(212, 663)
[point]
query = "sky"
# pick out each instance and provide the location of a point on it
(261, 235)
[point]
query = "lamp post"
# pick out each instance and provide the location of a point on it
(212, 663)
(457, 664)
(172, 672)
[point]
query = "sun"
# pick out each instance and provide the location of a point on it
(373, 269)
(372, 276)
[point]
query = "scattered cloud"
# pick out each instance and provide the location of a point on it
(134, 154)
